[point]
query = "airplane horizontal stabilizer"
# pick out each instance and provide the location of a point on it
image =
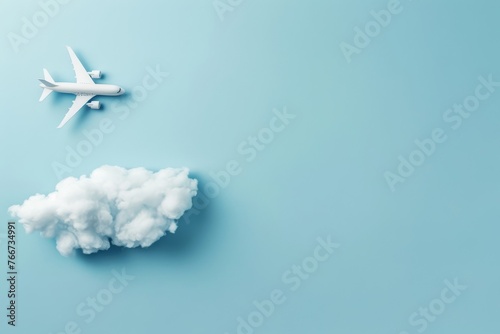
(46, 92)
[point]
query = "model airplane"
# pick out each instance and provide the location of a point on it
(84, 88)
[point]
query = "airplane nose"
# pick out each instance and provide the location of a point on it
(122, 91)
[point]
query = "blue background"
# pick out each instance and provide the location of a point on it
(323, 175)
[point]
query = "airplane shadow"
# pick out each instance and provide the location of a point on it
(58, 99)
(81, 120)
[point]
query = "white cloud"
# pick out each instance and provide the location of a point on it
(127, 207)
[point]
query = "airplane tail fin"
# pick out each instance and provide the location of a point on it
(48, 82)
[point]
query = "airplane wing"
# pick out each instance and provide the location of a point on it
(78, 104)
(81, 74)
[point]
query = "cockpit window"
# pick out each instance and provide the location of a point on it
(119, 90)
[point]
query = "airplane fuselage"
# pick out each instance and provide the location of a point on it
(87, 89)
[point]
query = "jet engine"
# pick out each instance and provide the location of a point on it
(95, 74)
(94, 105)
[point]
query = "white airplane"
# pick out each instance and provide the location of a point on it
(84, 88)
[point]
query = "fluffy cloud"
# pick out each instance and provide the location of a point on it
(125, 207)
